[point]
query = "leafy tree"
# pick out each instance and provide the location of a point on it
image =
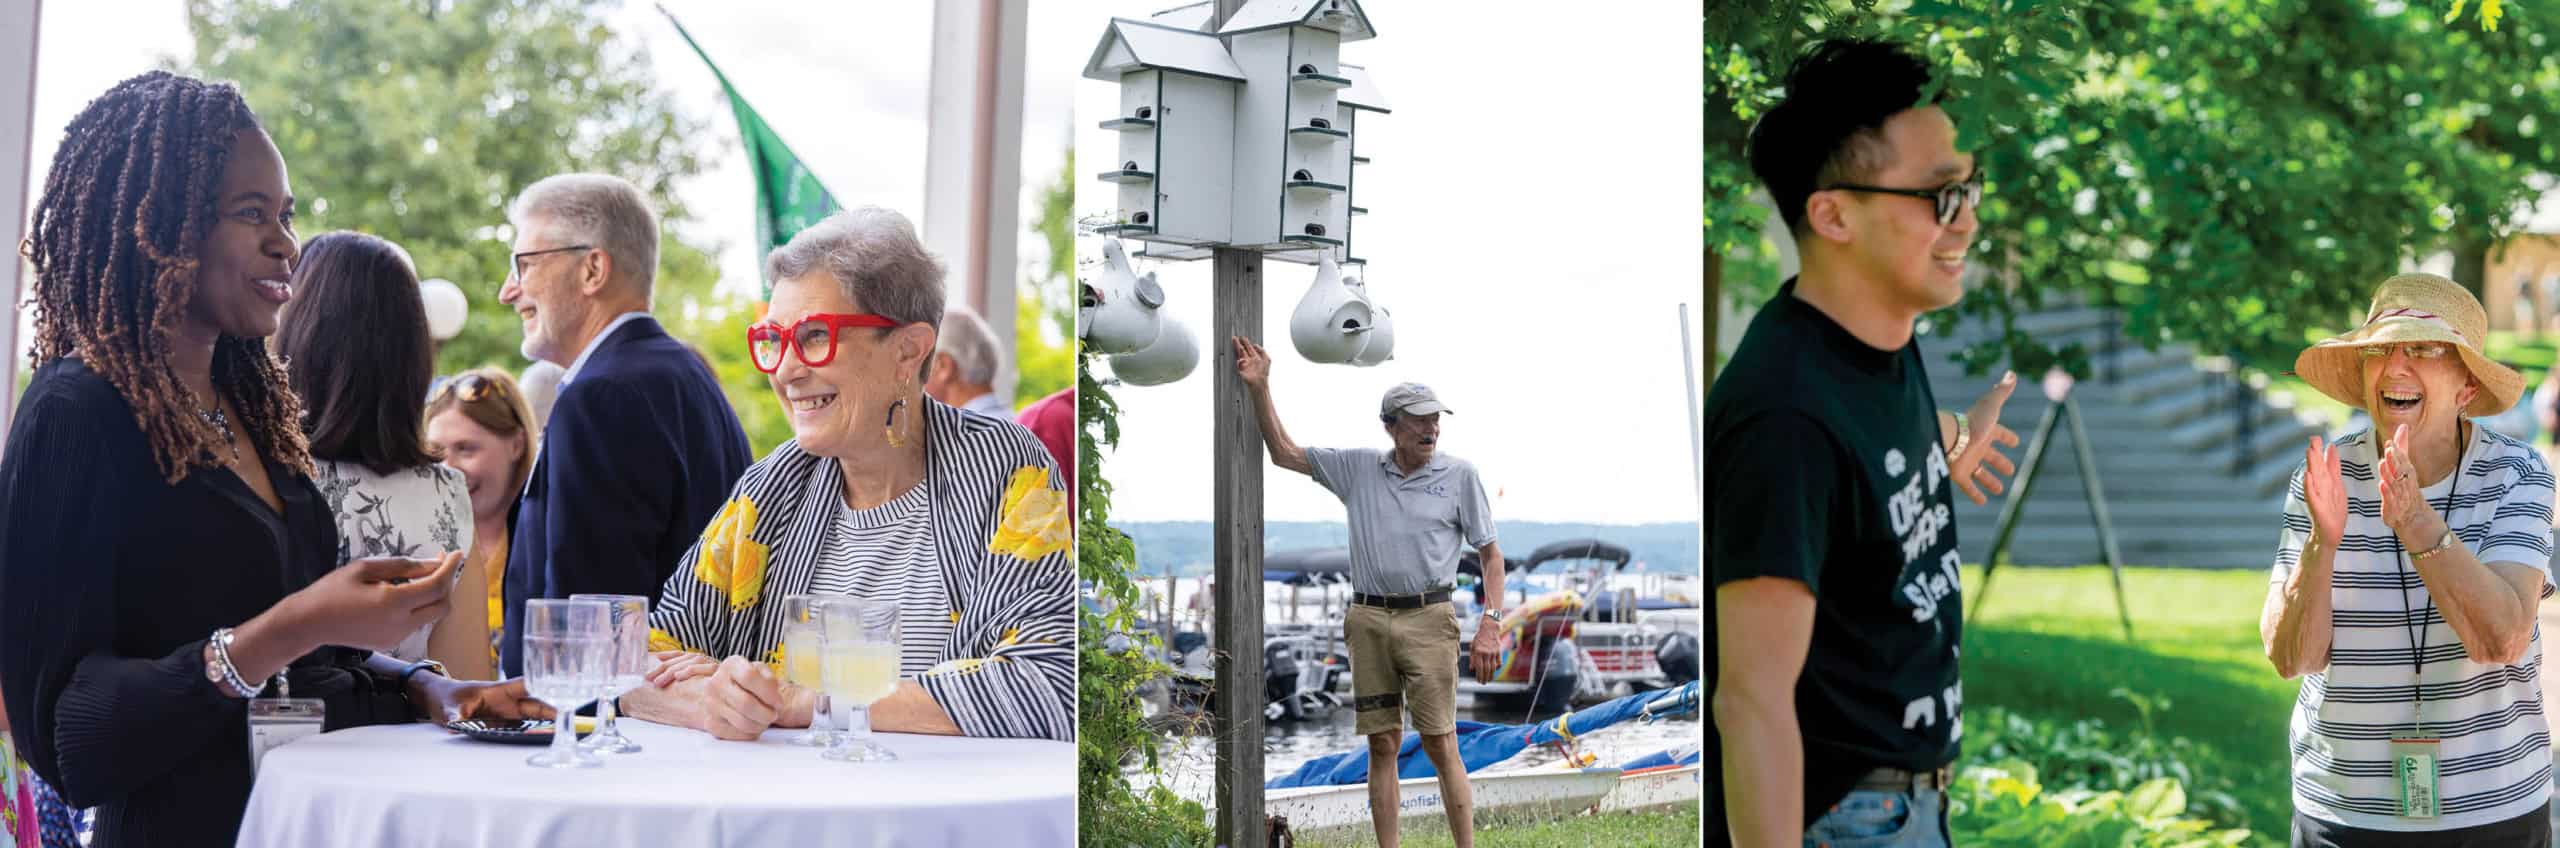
(1044, 307)
(2236, 173)
(419, 120)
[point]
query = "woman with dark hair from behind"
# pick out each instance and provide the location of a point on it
(355, 346)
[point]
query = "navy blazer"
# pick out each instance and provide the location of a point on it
(639, 453)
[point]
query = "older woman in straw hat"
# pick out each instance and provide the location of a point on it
(2413, 556)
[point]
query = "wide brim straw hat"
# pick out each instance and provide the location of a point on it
(2413, 308)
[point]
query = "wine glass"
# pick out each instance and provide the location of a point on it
(565, 649)
(626, 669)
(860, 668)
(803, 643)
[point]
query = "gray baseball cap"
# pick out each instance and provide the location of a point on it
(1411, 398)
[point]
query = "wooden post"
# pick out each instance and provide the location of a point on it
(1237, 446)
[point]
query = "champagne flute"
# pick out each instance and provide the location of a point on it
(803, 643)
(860, 668)
(565, 648)
(626, 669)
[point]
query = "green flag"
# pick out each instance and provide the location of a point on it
(788, 197)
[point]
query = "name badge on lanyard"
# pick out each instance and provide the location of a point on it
(273, 722)
(2413, 769)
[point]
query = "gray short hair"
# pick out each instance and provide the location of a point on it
(971, 345)
(874, 256)
(597, 209)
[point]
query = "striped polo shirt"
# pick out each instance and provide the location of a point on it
(2496, 754)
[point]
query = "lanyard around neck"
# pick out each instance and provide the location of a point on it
(2417, 630)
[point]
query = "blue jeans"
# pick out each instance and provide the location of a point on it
(1874, 819)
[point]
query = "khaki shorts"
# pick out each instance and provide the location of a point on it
(1403, 658)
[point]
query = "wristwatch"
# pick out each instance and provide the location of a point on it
(2447, 541)
(421, 665)
(1494, 614)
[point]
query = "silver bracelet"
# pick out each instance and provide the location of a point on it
(1964, 434)
(232, 684)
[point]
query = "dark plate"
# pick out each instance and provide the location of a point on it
(536, 732)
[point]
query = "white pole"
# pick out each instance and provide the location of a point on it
(1689, 384)
(18, 25)
(973, 160)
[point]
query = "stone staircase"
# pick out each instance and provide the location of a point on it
(2187, 481)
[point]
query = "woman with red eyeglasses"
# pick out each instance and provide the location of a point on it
(883, 493)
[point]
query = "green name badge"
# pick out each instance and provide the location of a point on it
(2413, 762)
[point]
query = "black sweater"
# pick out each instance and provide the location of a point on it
(110, 581)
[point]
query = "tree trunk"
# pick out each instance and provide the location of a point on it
(2471, 263)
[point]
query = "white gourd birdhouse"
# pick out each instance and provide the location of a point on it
(1333, 320)
(1118, 311)
(1381, 345)
(1175, 122)
(1172, 357)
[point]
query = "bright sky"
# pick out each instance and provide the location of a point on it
(844, 84)
(1533, 227)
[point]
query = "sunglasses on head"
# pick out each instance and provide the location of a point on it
(814, 337)
(471, 388)
(1950, 199)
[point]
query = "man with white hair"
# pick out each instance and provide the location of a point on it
(965, 361)
(641, 446)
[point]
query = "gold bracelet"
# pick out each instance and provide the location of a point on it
(2446, 541)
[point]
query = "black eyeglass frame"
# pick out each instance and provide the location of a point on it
(1951, 199)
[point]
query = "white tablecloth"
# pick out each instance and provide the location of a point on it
(416, 784)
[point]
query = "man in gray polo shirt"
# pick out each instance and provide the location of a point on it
(1410, 507)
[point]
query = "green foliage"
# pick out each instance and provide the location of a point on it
(2229, 172)
(419, 121)
(1111, 730)
(1044, 319)
(2084, 754)
(2004, 804)
(2045, 645)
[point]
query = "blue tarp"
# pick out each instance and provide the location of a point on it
(1674, 757)
(1479, 744)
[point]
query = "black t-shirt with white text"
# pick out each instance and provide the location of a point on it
(1823, 466)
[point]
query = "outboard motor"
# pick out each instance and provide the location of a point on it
(1677, 654)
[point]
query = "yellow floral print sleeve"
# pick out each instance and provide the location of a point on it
(732, 560)
(1035, 522)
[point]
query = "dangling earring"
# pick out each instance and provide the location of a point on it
(891, 424)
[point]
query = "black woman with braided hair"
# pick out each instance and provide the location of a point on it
(164, 557)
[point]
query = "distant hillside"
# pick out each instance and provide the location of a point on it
(1184, 546)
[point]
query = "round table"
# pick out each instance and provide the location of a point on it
(418, 784)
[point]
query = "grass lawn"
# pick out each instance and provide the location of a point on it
(2049, 646)
(1648, 828)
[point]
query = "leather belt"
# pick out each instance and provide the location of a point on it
(1400, 601)
(1890, 779)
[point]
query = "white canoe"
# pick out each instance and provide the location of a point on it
(1514, 795)
(1660, 786)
